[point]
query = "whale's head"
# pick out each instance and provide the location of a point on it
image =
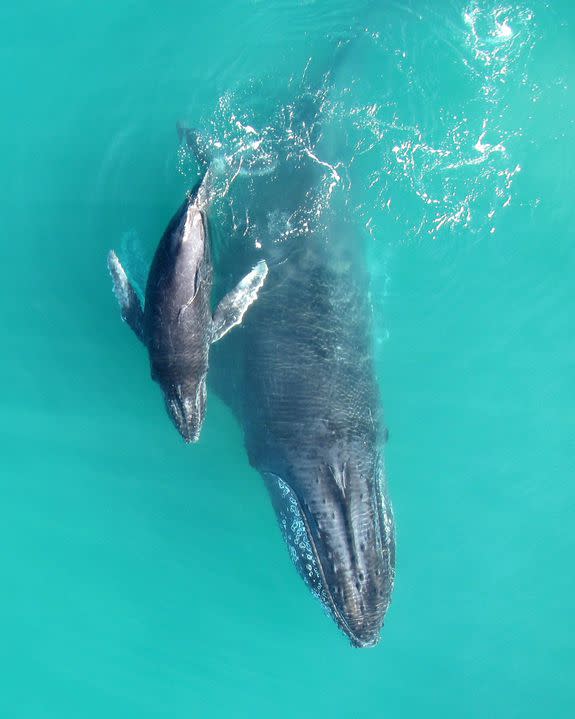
(338, 524)
(186, 406)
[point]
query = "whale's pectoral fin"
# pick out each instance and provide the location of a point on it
(128, 300)
(233, 306)
(135, 261)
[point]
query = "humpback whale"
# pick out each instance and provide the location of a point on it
(300, 379)
(176, 323)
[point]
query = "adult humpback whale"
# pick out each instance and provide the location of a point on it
(300, 377)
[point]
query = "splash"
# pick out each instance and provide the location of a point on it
(424, 155)
(496, 38)
(248, 138)
(439, 154)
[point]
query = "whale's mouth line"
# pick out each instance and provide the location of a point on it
(340, 619)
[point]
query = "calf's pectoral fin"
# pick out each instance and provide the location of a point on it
(128, 300)
(233, 306)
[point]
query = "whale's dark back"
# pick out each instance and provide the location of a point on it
(300, 377)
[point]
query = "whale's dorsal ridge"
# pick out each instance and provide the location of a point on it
(130, 305)
(196, 142)
(234, 305)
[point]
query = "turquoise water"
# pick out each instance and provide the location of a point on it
(143, 578)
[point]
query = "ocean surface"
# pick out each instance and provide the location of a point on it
(144, 578)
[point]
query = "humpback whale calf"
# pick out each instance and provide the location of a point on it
(300, 378)
(176, 323)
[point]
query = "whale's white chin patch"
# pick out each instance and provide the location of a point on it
(295, 534)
